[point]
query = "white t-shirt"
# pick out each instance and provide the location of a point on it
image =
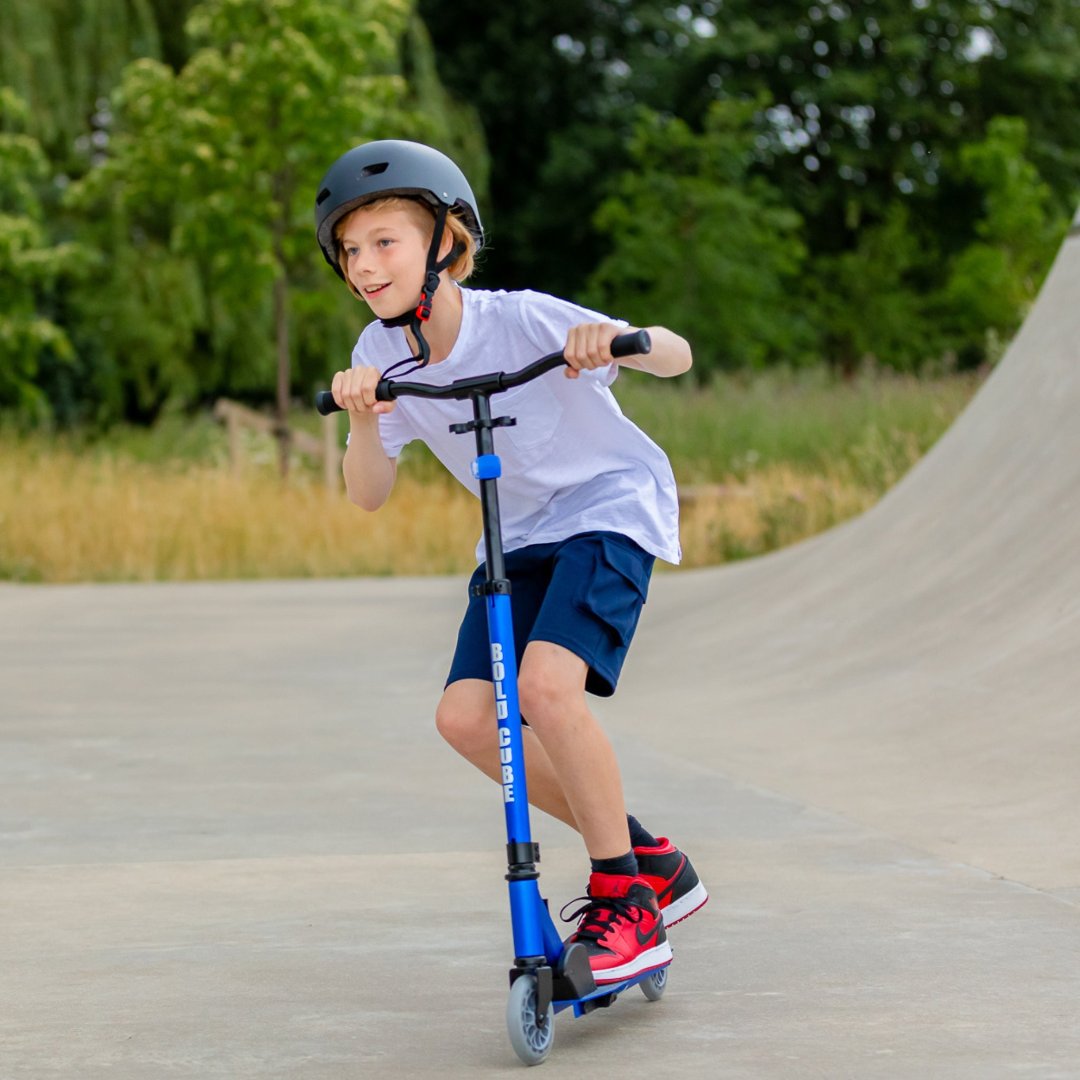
(572, 463)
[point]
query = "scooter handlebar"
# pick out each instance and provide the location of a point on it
(636, 343)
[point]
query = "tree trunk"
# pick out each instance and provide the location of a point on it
(281, 337)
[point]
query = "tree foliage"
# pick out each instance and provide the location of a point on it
(212, 172)
(838, 179)
(551, 120)
(713, 249)
(868, 99)
(63, 58)
(993, 281)
(30, 265)
(867, 108)
(867, 302)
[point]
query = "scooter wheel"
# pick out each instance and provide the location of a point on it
(654, 986)
(531, 1041)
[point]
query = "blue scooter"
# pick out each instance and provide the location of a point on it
(548, 976)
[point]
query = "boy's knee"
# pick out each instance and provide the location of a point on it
(544, 699)
(462, 723)
(551, 685)
(450, 721)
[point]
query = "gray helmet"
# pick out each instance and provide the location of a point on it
(391, 167)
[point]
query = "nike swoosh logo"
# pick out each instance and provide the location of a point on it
(674, 878)
(643, 939)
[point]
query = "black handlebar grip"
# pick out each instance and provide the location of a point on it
(637, 343)
(325, 404)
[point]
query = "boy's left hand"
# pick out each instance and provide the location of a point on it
(588, 346)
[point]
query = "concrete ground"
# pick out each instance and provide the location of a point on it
(232, 845)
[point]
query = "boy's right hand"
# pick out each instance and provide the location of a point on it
(354, 390)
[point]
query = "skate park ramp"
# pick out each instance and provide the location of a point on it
(232, 844)
(925, 656)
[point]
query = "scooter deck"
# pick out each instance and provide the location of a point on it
(605, 995)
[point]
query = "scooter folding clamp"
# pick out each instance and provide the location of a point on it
(521, 860)
(490, 588)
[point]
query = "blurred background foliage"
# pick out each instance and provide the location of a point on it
(788, 184)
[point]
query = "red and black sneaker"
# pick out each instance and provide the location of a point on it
(678, 889)
(621, 928)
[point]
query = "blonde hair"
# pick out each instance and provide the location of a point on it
(424, 217)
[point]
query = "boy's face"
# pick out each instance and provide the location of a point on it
(386, 251)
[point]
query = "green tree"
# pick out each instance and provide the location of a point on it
(995, 279)
(218, 163)
(695, 238)
(30, 265)
(63, 57)
(440, 118)
(871, 100)
(139, 326)
(554, 119)
(869, 106)
(867, 303)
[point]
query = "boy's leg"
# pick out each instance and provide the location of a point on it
(621, 928)
(466, 720)
(551, 688)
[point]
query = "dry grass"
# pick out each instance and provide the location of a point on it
(778, 505)
(64, 518)
(761, 464)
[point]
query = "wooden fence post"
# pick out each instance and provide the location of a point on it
(237, 417)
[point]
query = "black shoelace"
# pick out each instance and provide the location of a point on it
(603, 913)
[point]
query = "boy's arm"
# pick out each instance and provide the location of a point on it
(369, 473)
(589, 346)
(670, 354)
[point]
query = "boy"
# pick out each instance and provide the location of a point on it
(587, 502)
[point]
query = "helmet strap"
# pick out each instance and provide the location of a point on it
(414, 318)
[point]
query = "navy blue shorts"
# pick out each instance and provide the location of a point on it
(584, 593)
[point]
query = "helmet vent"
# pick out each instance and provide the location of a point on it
(374, 170)
(322, 196)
